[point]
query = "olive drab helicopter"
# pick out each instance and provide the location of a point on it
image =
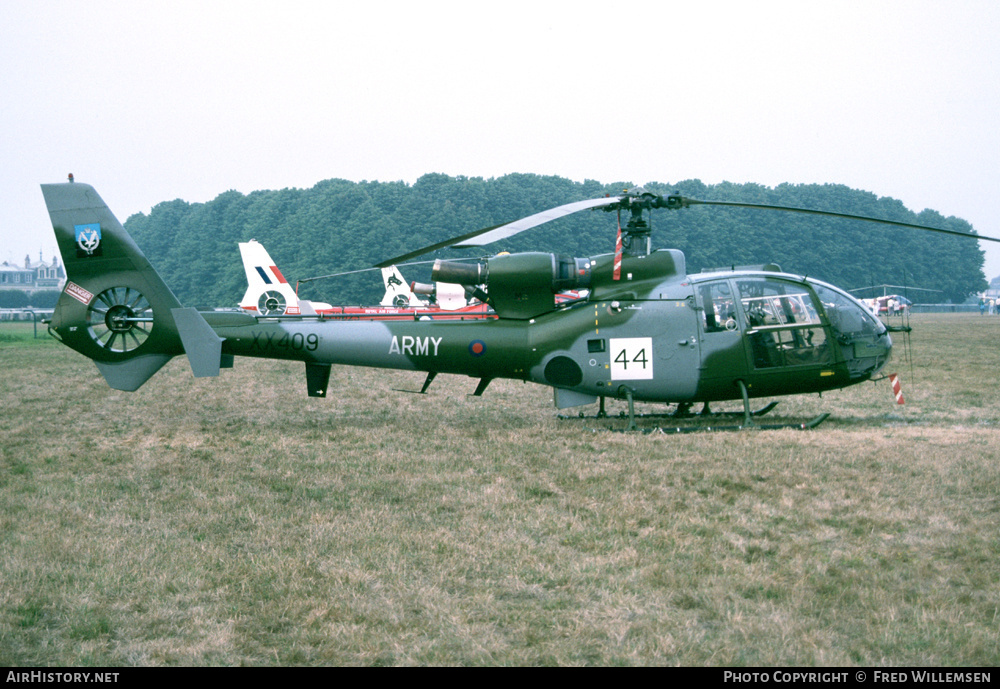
(642, 329)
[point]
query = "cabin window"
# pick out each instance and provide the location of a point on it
(719, 307)
(769, 303)
(784, 327)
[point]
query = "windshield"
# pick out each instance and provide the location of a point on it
(776, 303)
(846, 314)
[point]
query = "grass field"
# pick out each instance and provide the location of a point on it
(235, 521)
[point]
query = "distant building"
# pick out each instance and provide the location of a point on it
(992, 292)
(994, 289)
(32, 277)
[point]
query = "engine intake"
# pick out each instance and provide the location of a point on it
(520, 285)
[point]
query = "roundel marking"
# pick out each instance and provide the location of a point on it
(477, 348)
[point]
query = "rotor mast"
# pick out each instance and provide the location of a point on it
(636, 239)
(636, 235)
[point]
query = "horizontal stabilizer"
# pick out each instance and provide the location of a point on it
(202, 346)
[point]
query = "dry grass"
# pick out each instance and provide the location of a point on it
(237, 521)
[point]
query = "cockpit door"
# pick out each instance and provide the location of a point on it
(723, 352)
(789, 345)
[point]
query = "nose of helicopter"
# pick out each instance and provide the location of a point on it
(868, 351)
(888, 353)
(864, 339)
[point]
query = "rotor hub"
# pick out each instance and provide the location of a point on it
(117, 318)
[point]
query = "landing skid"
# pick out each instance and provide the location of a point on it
(683, 412)
(813, 423)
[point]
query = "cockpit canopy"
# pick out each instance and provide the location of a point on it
(790, 321)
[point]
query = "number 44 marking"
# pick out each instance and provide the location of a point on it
(632, 358)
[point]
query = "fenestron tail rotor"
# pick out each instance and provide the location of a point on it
(271, 303)
(120, 319)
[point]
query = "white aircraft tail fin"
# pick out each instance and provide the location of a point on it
(268, 292)
(397, 290)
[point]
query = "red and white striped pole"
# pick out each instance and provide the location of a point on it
(897, 390)
(617, 273)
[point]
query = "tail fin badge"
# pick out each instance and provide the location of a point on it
(88, 240)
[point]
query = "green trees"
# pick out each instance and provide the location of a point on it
(21, 299)
(339, 225)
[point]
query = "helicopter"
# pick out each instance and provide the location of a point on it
(269, 294)
(643, 330)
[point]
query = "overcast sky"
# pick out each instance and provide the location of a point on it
(152, 101)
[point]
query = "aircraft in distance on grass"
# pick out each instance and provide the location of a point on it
(644, 331)
(269, 294)
(893, 304)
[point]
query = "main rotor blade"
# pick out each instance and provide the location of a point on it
(368, 270)
(427, 249)
(638, 199)
(495, 234)
(488, 235)
(684, 201)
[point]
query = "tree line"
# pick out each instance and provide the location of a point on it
(340, 226)
(22, 299)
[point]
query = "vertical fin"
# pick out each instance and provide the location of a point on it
(115, 308)
(263, 277)
(317, 379)
(397, 290)
(202, 346)
(130, 375)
